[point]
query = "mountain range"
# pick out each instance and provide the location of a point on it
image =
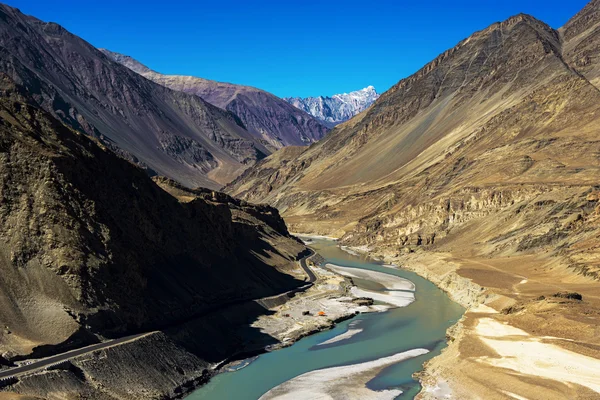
(337, 108)
(480, 172)
(92, 248)
(484, 126)
(167, 132)
(268, 118)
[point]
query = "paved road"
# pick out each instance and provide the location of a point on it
(68, 355)
(311, 276)
(46, 362)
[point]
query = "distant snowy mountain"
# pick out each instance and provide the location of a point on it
(271, 120)
(338, 108)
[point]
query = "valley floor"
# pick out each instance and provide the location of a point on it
(518, 339)
(279, 321)
(299, 316)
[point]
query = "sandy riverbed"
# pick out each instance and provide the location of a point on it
(390, 282)
(526, 354)
(352, 331)
(347, 382)
(332, 294)
(516, 341)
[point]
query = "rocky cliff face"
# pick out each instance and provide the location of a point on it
(268, 118)
(90, 246)
(581, 36)
(488, 140)
(337, 108)
(168, 132)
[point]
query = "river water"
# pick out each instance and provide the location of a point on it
(420, 325)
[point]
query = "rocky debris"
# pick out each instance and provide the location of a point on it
(513, 309)
(568, 295)
(151, 367)
(363, 301)
(186, 150)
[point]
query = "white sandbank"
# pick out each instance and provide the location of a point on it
(352, 331)
(356, 251)
(528, 355)
(345, 382)
(440, 391)
(307, 236)
(390, 282)
(514, 396)
(483, 309)
(397, 299)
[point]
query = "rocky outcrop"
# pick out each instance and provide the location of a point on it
(153, 367)
(581, 36)
(271, 120)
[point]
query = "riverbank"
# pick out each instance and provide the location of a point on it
(522, 336)
(174, 362)
(329, 301)
(365, 346)
(163, 364)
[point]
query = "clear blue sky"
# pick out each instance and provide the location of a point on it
(290, 48)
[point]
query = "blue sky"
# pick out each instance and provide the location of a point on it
(290, 48)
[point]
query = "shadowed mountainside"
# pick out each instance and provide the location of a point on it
(89, 244)
(273, 121)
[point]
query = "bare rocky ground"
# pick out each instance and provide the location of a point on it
(92, 249)
(525, 332)
(331, 295)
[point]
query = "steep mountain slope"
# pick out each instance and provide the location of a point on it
(581, 37)
(170, 133)
(337, 108)
(89, 244)
(267, 117)
(480, 172)
(496, 121)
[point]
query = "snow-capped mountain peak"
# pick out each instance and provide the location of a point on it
(337, 108)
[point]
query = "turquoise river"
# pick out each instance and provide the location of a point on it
(422, 324)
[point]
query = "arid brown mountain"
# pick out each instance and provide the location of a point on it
(90, 245)
(270, 119)
(168, 132)
(499, 119)
(480, 172)
(581, 36)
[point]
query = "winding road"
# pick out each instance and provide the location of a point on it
(311, 275)
(60, 358)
